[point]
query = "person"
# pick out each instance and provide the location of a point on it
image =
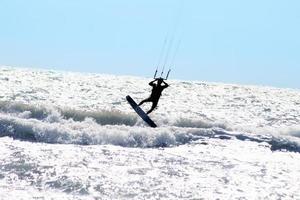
(157, 89)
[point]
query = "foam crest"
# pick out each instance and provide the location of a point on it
(185, 122)
(89, 132)
(103, 117)
(52, 114)
(293, 131)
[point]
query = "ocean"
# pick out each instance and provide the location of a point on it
(67, 135)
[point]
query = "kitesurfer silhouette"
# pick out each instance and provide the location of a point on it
(157, 89)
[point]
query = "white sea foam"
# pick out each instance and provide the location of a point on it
(54, 128)
(73, 136)
(91, 109)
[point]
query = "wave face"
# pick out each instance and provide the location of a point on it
(90, 109)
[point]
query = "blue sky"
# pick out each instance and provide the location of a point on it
(247, 42)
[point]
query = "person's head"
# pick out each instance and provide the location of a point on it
(159, 81)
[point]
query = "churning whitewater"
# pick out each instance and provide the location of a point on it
(74, 136)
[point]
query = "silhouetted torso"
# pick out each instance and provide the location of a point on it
(157, 89)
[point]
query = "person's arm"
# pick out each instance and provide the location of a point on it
(152, 83)
(166, 84)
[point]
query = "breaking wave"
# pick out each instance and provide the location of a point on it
(89, 132)
(42, 112)
(189, 123)
(52, 125)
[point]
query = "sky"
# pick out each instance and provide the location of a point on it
(246, 42)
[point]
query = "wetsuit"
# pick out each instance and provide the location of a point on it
(155, 94)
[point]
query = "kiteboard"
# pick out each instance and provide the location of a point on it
(140, 112)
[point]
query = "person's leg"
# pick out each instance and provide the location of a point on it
(145, 100)
(153, 107)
